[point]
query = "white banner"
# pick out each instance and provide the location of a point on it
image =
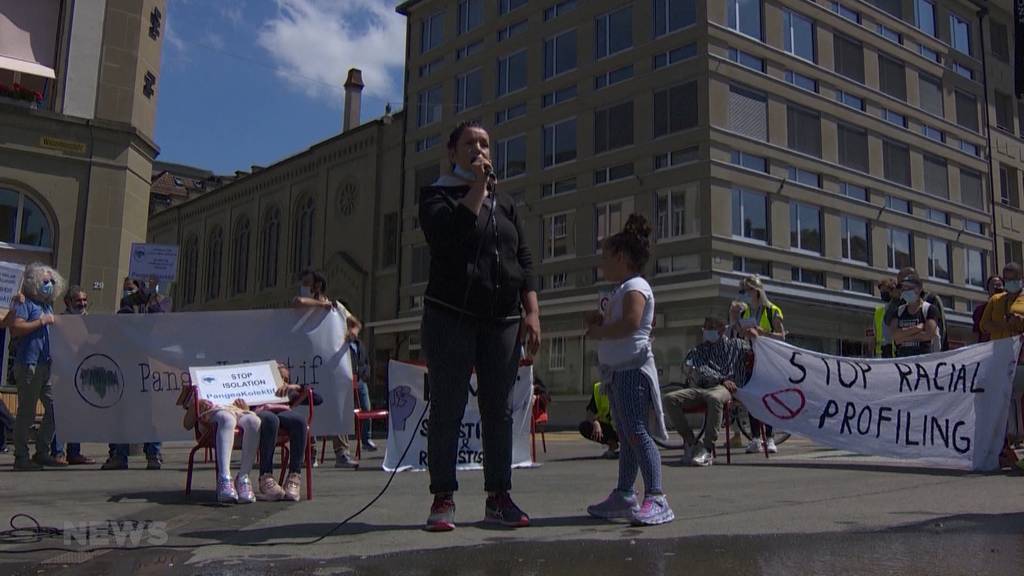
(158, 261)
(116, 377)
(947, 409)
(255, 383)
(406, 404)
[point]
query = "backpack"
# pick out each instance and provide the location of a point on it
(936, 342)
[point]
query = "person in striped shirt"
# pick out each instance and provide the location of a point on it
(714, 369)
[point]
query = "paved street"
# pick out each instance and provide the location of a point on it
(784, 516)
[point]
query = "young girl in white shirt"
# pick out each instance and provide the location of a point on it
(630, 377)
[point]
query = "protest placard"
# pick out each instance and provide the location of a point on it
(256, 383)
(10, 282)
(158, 261)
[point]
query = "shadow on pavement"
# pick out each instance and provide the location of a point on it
(859, 467)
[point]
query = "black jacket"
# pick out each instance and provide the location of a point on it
(360, 363)
(892, 310)
(466, 272)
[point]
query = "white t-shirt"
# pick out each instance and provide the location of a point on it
(626, 350)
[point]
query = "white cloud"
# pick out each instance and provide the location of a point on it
(233, 11)
(172, 39)
(321, 39)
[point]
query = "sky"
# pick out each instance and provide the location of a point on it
(250, 82)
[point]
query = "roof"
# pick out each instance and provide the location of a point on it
(404, 7)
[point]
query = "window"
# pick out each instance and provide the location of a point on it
(613, 173)
(608, 221)
(677, 264)
(969, 148)
(613, 127)
(429, 68)
(240, 257)
(556, 354)
(798, 33)
(506, 6)
(857, 285)
(557, 242)
(558, 96)
(890, 34)
(933, 133)
(468, 90)
(853, 148)
(616, 76)
(557, 10)
(897, 162)
(805, 227)
(750, 161)
(675, 109)
(963, 70)
(512, 73)
(892, 78)
(930, 90)
(847, 99)
(936, 177)
(558, 187)
(854, 191)
(971, 192)
(801, 81)
(937, 216)
(270, 238)
(938, 259)
(558, 280)
(389, 240)
(899, 249)
(959, 34)
(974, 227)
(510, 158)
(672, 15)
(1000, 43)
(613, 32)
(804, 128)
(897, 204)
(469, 49)
(560, 54)
(420, 264)
(1013, 251)
(511, 30)
(23, 222)
(431, 32)
(303, 240)
(805, 177)
(471, 14)
(670, 213)
(189, 269)
(424, 144)
(214, 262)
(510, 113)
(894, 118)
(746, 59)
(893, 7)
(676, 157)
(560, 142)
(748, 113)
(924, 16)
(846, 12)
(673, 56)
(750, 215)
(856, 239)
(849, 58)
(428, 106)
(744, 16)
(967, 111)
(805, 276)
(1004, 111)
(975, 269)
(1008, 186)
(751, 266)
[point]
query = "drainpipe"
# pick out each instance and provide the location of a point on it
(982, 13)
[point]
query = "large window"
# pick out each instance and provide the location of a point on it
(804, 128)
(670, 213)
(608, 221)
(976, 267)
(512, 73)
(23, 222)
(938, 259)
(853, 148)
(558, 235)
(506, 6)
(892, 77)
(560, 142)
(240, 257)
(899, 249)
(214, 262)
(270, 237)
(675, 109)
(893, 7)
(931, 94)
(303, 240)
(960, 34)
(431, 32)
(428, 106)
(1004, 111)
(936, 176)
(613, 32)
(744, 16)
(897, 162)
(805, 227)
(560, 54)
(748, 113)
(971, 192)
(798, 35)
(1008, 186)
(855, 239)
(613, 127)
(556, 354)
(510, 157)
(924, 16)
(750, 215)
(967, 110)
(471, 14)
(849, 58)
(1000, 41)
(469, 90)
(672, 15)
(189, 269)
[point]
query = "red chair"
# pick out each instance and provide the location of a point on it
(727, 414)
(540, 418)
(360, 417)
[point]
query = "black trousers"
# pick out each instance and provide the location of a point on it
(294, 424)
(454, 345)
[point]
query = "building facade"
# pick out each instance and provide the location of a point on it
(77, 145)
(175, 184)
(822, 145)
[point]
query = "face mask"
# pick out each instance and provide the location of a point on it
(1012, 286)
(47, 288)
(886, 297)
(305, 292)
(711, 336)
(909, 296)
(464, 174)
(128, 293)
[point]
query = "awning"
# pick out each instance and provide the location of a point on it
(7, 63)
(28, 36)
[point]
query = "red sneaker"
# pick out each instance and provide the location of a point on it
(442, 514)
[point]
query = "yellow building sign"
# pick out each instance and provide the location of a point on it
(62, 145)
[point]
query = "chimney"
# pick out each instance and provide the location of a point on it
(353, 98)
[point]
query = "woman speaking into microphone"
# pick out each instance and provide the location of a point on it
(480, 303)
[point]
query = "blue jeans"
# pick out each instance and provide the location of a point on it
(57, 447)
(364, 405)
(120, 451)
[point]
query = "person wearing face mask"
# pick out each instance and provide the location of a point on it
(1004, 313)
(714, 369)
(76, 303)
(883, 339)
(931, 298)
(915, 329)
(754, 311)
(993, 285)
(31, 326)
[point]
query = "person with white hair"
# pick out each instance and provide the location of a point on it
(31, 326)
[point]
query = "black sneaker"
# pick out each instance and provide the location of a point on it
(502, 510)
(154, 463)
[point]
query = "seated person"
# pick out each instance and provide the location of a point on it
(598, 426)
(714, 369)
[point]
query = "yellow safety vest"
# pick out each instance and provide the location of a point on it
(603, 405)
(880, 330)
(767, 313)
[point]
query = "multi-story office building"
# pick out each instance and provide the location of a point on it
(822, 145)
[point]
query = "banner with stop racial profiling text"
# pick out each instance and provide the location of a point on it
(946, 409)
(408, 389)
(116, 377)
